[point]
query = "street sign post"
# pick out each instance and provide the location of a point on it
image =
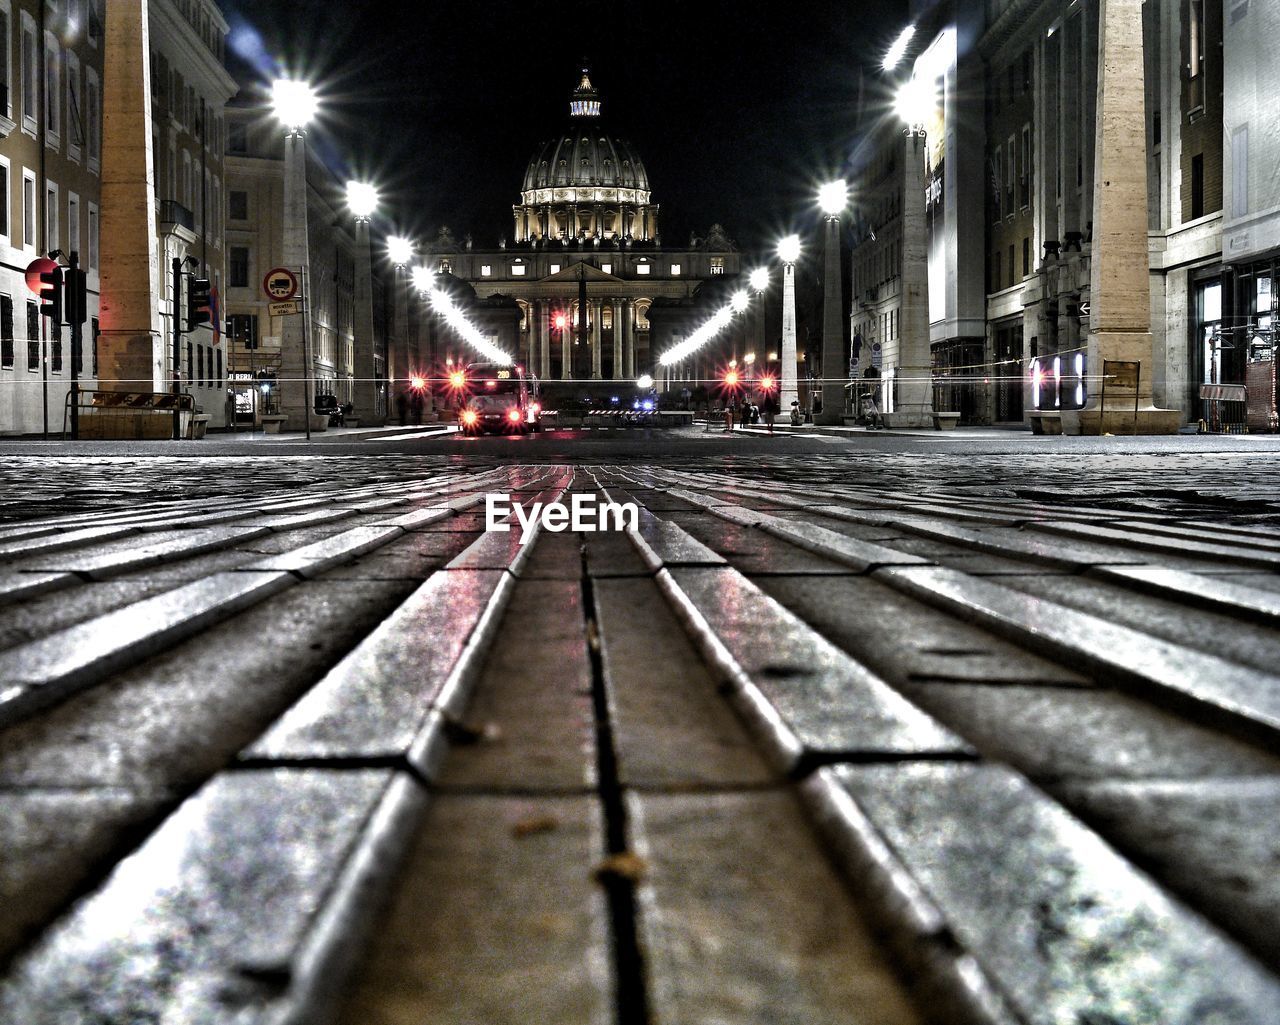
(280, 284)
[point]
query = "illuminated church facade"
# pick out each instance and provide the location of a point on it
(581, 291)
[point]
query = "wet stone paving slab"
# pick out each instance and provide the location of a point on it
(877, 738)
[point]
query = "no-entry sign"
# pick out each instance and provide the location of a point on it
(280, 283)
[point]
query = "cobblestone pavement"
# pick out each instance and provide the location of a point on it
(850, 734)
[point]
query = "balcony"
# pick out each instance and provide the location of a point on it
(173, 213)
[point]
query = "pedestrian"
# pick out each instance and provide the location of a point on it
(402, 407)
(744, 417)
(729, 412)
(795, 413)
(769, 406)
(871, 400)
(415, 407)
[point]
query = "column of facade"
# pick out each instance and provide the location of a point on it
(129, 343)
(914, 407)
(834, 368)
(296, 369)
(1069, 86)
(566, 345)
(619, 368)
(628, 342)
(597, 339)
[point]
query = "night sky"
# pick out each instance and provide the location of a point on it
(738, 109)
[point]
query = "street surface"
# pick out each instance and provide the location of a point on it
(854, 727)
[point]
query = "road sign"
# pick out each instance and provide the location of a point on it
(1084, 310)
(280, 283)
(284, 309)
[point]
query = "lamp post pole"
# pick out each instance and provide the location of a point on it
(789, 252)
(833, 197)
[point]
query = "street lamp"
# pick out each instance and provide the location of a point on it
(399, 362)
(788, 253)
(295, 105)
(833, 197)
(399, 250)
(362, 200)
(898, 49)
(759, 281)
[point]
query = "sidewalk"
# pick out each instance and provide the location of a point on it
(790, 750)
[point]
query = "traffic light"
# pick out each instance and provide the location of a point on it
(51, 295)
(76, 287)
(199, 310)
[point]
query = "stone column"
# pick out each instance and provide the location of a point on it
(619, 366)
(364, 393)
(834, 361)
(1070, 86)
(544, 339)
(787, 392)
(566, 345)
(628, 339)
(401, 363)
(130, 346)
(597, 339)
(1120, 284)
(914, 372)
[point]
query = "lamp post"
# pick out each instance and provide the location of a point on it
(917, 104)
(362, 201)
(294, 104)
(788, 253)
(759, 281)
(398, 365)
(832, 198)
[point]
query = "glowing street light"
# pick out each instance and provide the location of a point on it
(294, 103)
(399, 250)
(423, 278)
(789, 249)
(362, 200)
(898, 50)
(644, 382)
(760, 279)
(739, 301)
(833, 197)
(916, 103)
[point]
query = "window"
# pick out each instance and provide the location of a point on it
(93, 118)
(4, 199)
(1027, 171)
(52, 239)
(675, 270)
(518, 269)
(6, 331)
(446, 267)
(33, 337)
(997, 172)
(29, 211)
(55, 348)
(200, 365)
(1197, 186)
(73, 222)
(191, 362)
(75, 117)
(219, 378)
(717, 265)
(1196, 51)
(238, 205)
(92, 263)
(1238, 11)
(1012, 269)
(642, 268)
(30, 73)
(555, 268)
(486, 270)
(237, 137)
(243, 329)
(1240, 171)
(94, 331)
(1026, 257)
(6, 22)
(238, 267)
(53, 89)
(607, 268)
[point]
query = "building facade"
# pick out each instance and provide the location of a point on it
(1026, 100)
(50, 188)
(586, 237)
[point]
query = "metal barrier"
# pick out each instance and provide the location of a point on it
(130, 415)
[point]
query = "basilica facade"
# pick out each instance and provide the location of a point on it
(586, 262)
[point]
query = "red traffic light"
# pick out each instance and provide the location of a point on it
(37, 267)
